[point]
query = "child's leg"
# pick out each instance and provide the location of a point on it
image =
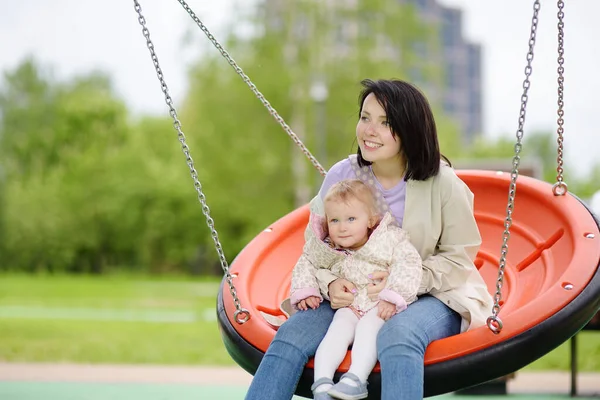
(333, 347)
(364, 349)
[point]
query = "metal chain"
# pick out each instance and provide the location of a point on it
(560, 187)
(241, 315)
(252, 87)
(494, 323)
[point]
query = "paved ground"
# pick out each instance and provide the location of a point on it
(87, 382)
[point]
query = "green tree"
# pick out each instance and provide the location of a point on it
(27, 104)
(55, 138)
(43, 120)
(585, 187)
(85, 190)
(484, 148)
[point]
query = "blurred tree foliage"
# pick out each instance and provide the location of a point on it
(86, 188)
(538, 148)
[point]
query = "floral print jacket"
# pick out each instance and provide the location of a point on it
(388, 249)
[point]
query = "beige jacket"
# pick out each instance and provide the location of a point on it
(439, 220)
(387, 249)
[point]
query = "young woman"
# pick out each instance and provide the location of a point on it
(398, 152)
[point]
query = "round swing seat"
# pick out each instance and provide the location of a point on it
(551, 285)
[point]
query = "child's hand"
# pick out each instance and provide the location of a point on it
(378, 282)
(385, 310)
(311, 301)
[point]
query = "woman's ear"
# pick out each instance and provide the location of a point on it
(373, 221)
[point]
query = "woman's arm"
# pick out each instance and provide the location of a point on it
(452, 263)
(339, 291)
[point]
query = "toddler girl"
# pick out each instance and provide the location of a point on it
(352, 240)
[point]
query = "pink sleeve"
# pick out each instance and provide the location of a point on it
(302, 294)
(394, 298)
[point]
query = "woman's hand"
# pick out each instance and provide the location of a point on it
(385, 310)
(311, 301)
(341, 293)
(379, 280)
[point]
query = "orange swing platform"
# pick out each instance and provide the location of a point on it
(551, 285)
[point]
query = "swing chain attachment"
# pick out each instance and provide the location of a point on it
(254, 89)
(494, 322)
(241, 315)
(560, 187)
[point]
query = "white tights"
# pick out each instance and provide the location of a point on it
(345, 329)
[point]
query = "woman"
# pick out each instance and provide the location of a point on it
(398, 153)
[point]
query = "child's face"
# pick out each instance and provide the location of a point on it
(348, 222)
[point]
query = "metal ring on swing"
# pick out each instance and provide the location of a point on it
(494, 323)
(559, 188)
(241, 316)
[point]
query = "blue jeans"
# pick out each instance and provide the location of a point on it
(401, 345)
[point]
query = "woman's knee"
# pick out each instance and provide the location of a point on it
(414, 329)
(305, 329)
(401, 335)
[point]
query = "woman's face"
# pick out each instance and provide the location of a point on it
(374, 134)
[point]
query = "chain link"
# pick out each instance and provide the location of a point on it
(241, 315)
(560, 187)
(494, 323)
(254, 89)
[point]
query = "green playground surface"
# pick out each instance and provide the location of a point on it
(128, 391)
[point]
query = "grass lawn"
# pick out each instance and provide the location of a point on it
(143, 320)
(109, 320)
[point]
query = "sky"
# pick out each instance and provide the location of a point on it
(75, 37)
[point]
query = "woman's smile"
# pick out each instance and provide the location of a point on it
(371, 145)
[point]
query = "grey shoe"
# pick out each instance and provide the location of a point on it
(344, 391)
(321, 395)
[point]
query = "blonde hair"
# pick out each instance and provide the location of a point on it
(348, 189)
